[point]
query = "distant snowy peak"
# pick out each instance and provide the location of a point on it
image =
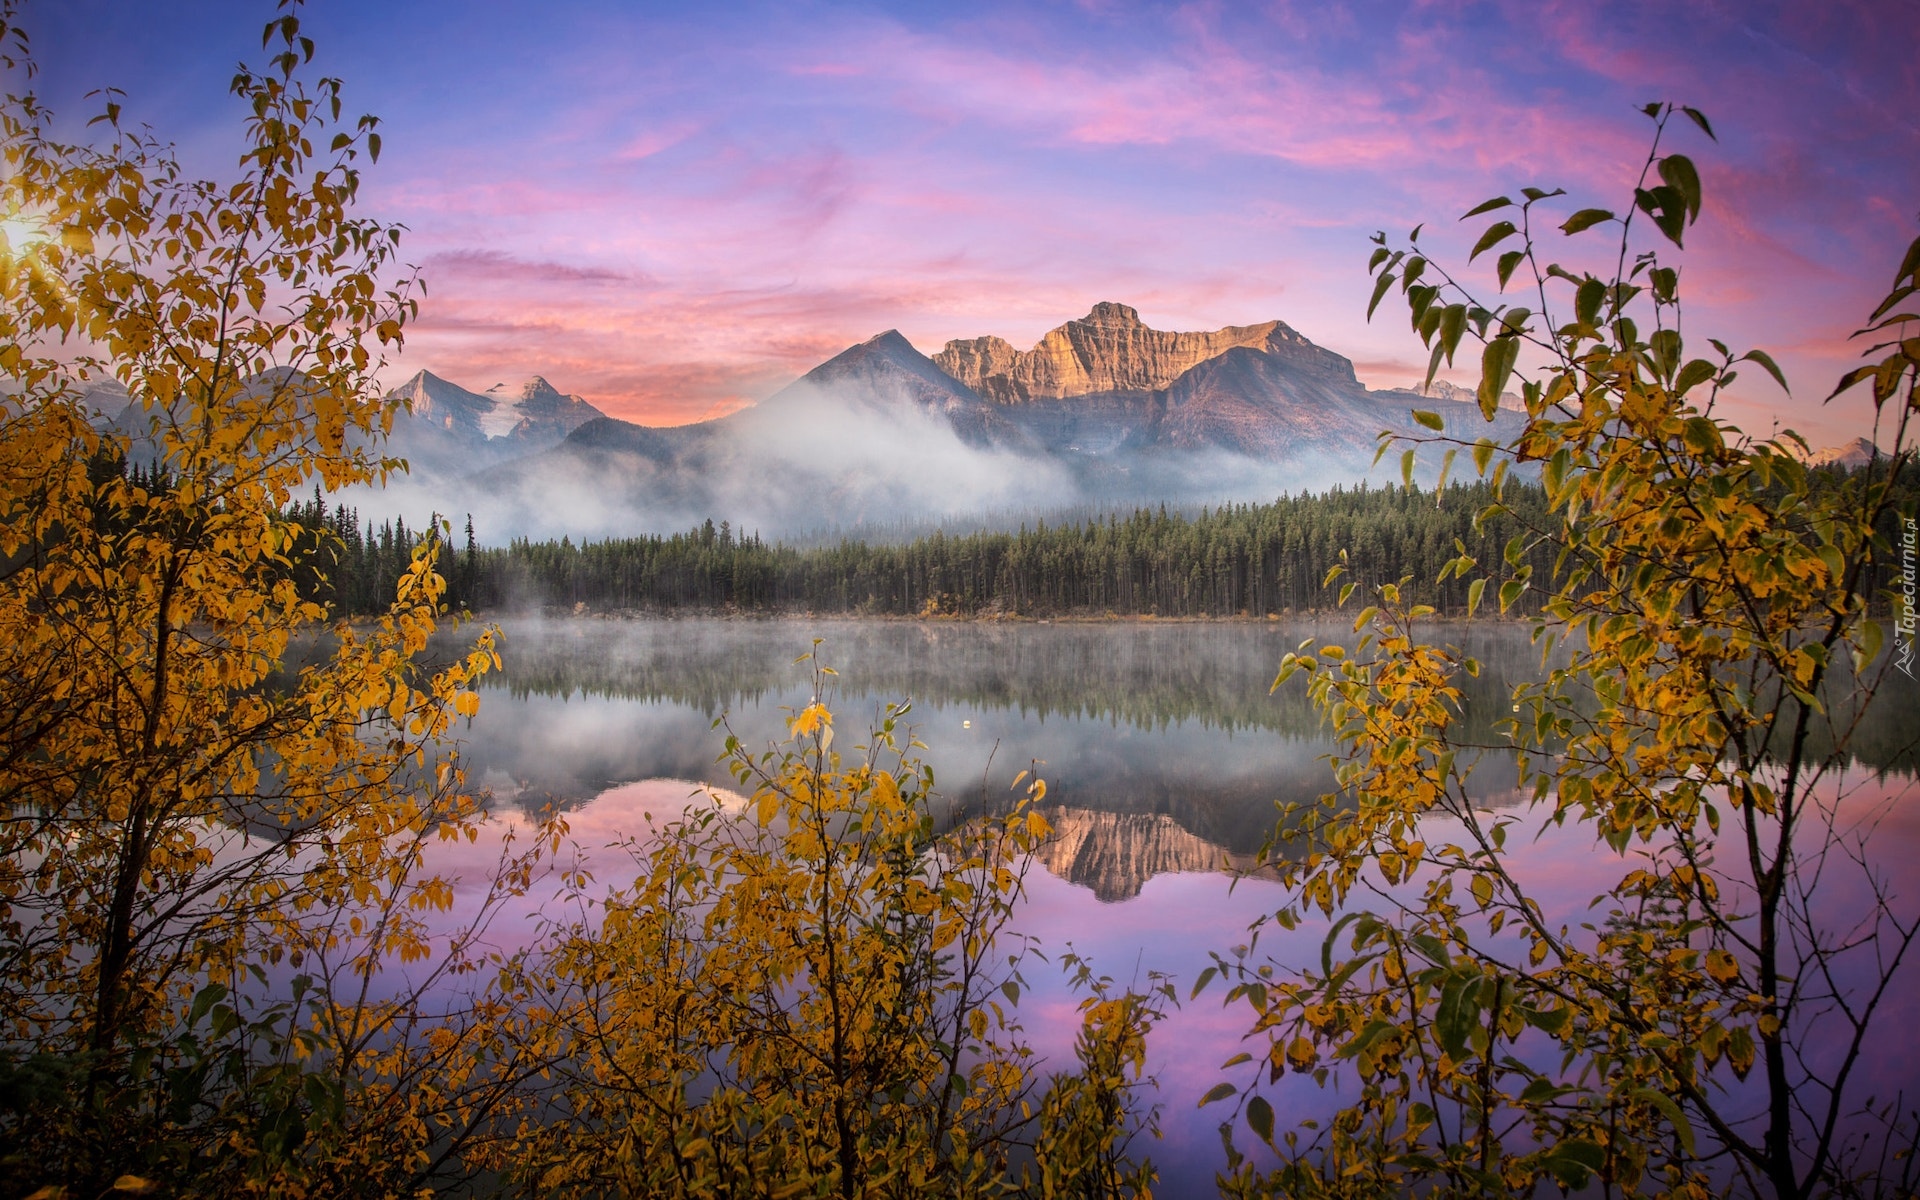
(1855, 454)
(535, 412)
(538, 412)
(1440, 389)
(435, 402)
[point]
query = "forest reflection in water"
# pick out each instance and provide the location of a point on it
(1161, 745)
(1165, 755)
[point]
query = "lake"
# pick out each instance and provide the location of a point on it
(1165, 757)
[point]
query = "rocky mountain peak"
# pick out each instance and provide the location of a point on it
(1112, 350)
(1108, 313)
(537, 388)
(445, 405)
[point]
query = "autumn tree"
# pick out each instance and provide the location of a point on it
(206, 853)
(815, 994)
(1708, 653)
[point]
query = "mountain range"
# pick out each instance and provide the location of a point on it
(449, 428)
(1104, 410)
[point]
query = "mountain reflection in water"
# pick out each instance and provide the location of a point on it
(1160, 743)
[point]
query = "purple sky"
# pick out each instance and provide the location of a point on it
(674, 209)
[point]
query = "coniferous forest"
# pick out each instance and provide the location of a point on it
(1235, 560)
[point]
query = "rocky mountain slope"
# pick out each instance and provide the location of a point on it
(1115, 853)
(450, 429)
(1112, 350)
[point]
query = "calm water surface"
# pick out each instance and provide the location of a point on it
(1164, 754)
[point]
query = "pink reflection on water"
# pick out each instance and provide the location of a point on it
(597, 834)
(1176, 922)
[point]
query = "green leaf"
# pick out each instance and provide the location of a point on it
(1453, 323)
(1699, 118)
(203, 1000)
(1693, 374)
(1766, 362)
(1587, 300)
(1430, 419)
(1496, 233)
(1573, 1161)
(1487, 206)
(1669, 211)
(1207, 975)
(1419, 300)
(1551, 1020)
(1853, 377)
(1910, 265)
(1868, 647)
(1665, 346)
(1508, 262)
(1456, 1015)
(1496, 364)
(1219, 1091)
(1554, 474)
(1510, 592)
(1380, 287)
(1586, 218)
(1260, 1118)
(1671, 1111)
(1482, 454)
(1429, 323)
(1474, 592)
(1406, 468)
(1677, 170)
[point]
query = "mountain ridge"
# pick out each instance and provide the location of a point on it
(1112, 350)
(881, 432)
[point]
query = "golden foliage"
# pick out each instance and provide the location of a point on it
(814, 995)
(185, 814)
(1709, 603)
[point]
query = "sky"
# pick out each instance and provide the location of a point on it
(673, 210)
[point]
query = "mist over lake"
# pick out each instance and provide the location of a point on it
(1167, 759)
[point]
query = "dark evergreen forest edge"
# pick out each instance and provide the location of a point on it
(1236, 560)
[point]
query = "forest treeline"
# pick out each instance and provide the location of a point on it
(1235, 560)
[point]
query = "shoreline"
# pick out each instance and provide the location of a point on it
(559, 613)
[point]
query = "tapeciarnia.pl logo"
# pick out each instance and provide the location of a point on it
(1903, 621)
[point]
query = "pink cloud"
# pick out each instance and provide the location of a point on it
(851, 175)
